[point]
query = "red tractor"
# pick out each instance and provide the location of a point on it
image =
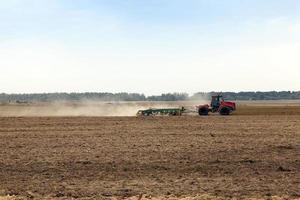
(217, 105)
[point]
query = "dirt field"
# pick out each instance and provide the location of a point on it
(254, 153)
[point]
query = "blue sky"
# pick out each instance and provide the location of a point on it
(149, 46)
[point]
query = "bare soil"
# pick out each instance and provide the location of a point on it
(254, 153)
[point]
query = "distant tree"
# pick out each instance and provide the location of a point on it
(48, 97)
(169, 97)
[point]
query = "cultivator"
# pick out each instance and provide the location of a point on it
(162, 111)
(217, 105)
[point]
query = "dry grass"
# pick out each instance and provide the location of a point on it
(248, 109)
(11, 198)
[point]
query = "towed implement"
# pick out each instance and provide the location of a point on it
(162, 111)
(217, 105)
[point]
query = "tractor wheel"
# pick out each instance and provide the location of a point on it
(203, 111)
(224, 111)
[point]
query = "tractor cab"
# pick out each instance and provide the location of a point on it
(216, 102)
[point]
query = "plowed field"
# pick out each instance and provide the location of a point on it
(254, 153)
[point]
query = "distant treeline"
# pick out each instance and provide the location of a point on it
(271, 95)
(48, 97)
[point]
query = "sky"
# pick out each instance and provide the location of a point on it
(149, 46)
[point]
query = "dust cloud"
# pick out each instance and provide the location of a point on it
(87, 108)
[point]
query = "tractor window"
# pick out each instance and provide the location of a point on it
(215, 101)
